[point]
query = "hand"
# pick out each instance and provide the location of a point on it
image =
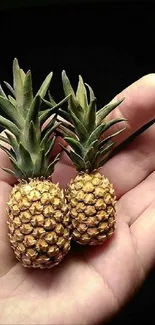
(91, 284)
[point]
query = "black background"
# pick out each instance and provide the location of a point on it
(111, 44)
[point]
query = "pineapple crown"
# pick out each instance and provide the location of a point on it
(23, 116)
(83, 126)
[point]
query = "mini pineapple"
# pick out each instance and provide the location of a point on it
(90, 196)
(38, 219)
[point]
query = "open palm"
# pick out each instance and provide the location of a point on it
(92, 283)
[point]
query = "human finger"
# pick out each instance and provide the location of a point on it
(137, 107)
(7, 259)
(133, 164)
(142, 231)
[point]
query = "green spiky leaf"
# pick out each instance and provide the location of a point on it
(9, 152)
(81, 94)
(45, 85)
(50, 168)
(25, 160)
(18, 171)
(38, 163)
(8, 170)
(33, 138)
(11, 111)
(91, 150)
(33, 111)
(103, 112)
(27, 92)
(80, 128)
(49, 146)
(105, 140)
(47, 105)
(109, 124)
(105, 148)
(12, 100)
(17, 84)
(48, 133)
(75, 158)
(75, 107)
(78, 161)
(10, 88)
(90, 116)
(48, 126)
(96, 134)
(2, 93)
(74, 144)
(12, 141)
(10, 126)
(22, 73)
(46, 114)
(91, 93)
(89, 154)
(68, 90)
(52, 101)
(49, 112)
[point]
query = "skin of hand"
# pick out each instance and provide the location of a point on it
(92, 284)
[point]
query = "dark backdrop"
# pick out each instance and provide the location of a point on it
(111, 44)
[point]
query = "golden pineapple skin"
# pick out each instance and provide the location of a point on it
(91, 199)
(38, 223)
